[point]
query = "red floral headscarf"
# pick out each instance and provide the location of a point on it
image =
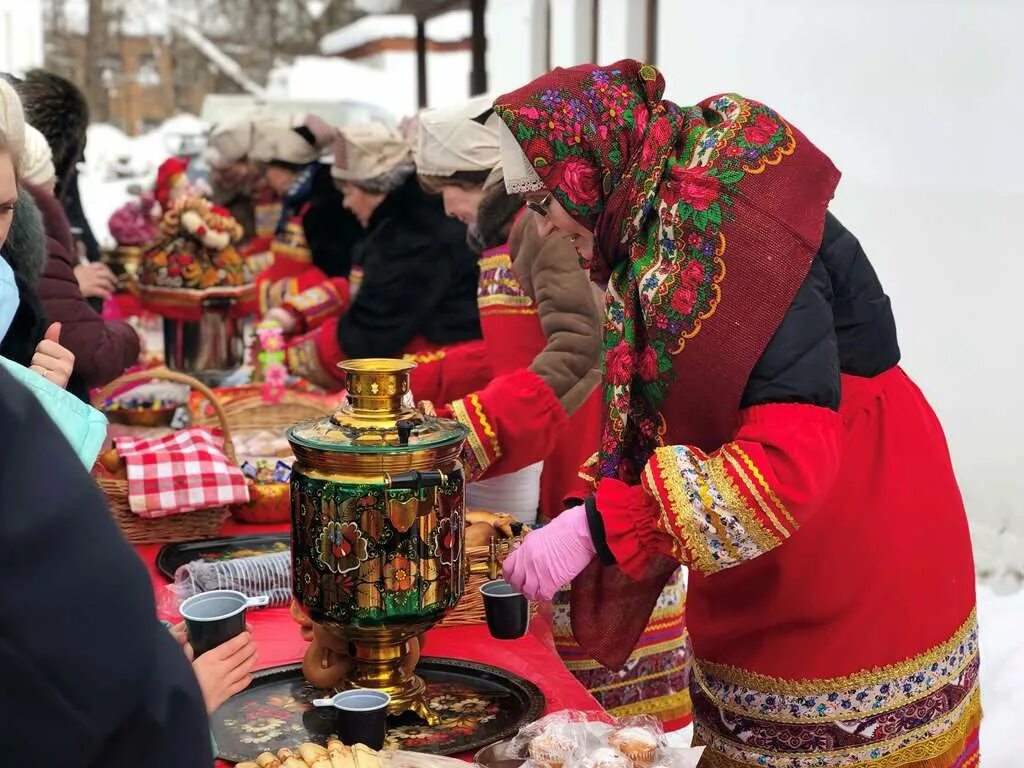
(678, 198)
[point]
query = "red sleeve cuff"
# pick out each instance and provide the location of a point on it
(630, 517)
(513, 423)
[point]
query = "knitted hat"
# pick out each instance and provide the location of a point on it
(37, 159)
(12, 120)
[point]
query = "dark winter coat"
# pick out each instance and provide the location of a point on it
(25, 251)
(103, 350)
(419, 279)
(840, 313)
(331, 231)
(90, 677)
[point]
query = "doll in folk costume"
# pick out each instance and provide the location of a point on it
(195, 250)
(418, 292)
(759, 430)
(541, 319)
(314, 238)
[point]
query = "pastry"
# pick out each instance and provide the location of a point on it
(638, 744)
(311, 752)
(553, 748)
(365, 757)
(247, 764)
(268, 760)
(606, 757)
(341, 756)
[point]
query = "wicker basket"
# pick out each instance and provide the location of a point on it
(483, 564)
(245, 409)
(200, 524)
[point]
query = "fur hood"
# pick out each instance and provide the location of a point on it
(56, 108)
(25, 248)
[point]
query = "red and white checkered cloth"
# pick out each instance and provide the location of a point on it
(180, 472)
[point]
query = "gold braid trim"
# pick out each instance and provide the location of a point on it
(755, 493)
(671, 707)
(752, 467)
(758, 682)
(426, 357)
(486, 425)
(737, 505)
(941, 751)
(678, 514)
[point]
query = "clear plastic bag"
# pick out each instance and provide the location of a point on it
(573, 739)
(255, 576)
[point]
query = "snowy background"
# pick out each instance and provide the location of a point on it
(923, 133)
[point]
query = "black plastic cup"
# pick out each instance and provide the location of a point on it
(361, 716)
(212, 618)
(507, 611)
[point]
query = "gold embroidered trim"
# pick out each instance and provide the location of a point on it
(486, 425)
(711, 514)
(940, 751)
(426, 357)
(737, 505)
(670, 707)
(759, 682)
(475, 444)
(679, 506)
(299, 253)
(764, 484)
(755, 493)
(507, 305)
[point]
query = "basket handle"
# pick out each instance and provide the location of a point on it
(165, 374)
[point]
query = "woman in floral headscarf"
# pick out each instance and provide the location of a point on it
(759, 431)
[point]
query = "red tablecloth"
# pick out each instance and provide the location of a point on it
(532, 657)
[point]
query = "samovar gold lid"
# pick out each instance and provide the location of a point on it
(375, 415)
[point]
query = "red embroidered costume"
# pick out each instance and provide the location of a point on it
(760, 431)
(541, 324)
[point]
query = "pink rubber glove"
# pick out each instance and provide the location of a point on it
(551, 557)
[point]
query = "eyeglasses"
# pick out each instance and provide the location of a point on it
(540, 208)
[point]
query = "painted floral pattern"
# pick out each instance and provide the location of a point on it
(656, 183)
(342, 547)
(281, 715)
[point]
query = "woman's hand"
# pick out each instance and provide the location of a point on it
(51, 360)
(552, 556)
(95, 280)
(283, 318)
(226, 670)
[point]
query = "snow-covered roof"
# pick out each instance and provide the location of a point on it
(450, 27)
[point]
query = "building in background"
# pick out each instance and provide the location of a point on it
(21, 35)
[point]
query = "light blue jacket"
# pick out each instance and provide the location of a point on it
(84, 427)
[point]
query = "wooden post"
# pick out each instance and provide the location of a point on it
(478, 75)
(421, 62)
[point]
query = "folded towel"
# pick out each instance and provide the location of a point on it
(180, 472)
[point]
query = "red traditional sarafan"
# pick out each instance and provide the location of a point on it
(831, 595)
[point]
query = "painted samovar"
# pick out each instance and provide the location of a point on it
(378, 526)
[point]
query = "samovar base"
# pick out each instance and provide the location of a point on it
(385, 660)
(411, 696)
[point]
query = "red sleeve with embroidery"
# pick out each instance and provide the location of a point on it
(719, 510)
(450, 373)
(316, 305)
(315, 356)
(513, 422)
